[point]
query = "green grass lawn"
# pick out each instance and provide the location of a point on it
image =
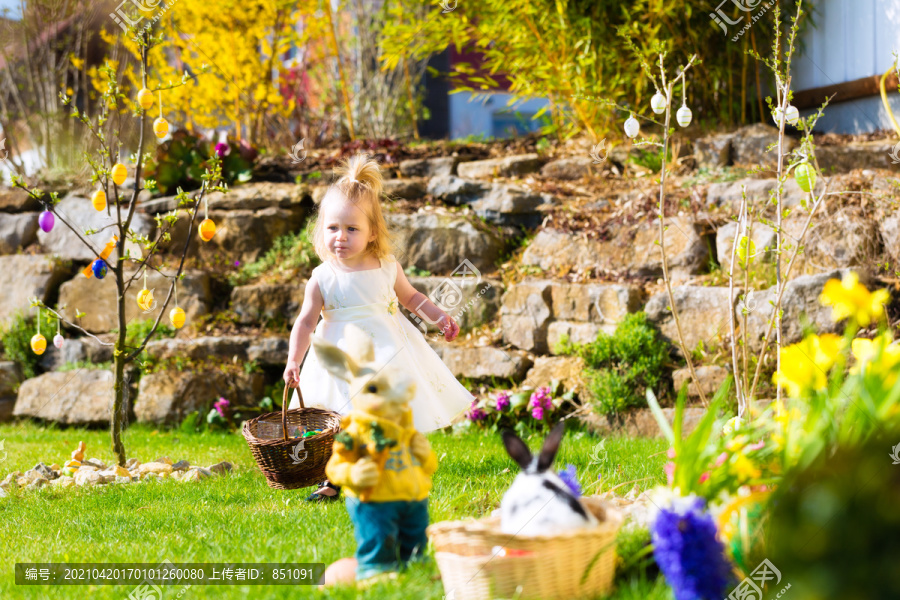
(238, 518)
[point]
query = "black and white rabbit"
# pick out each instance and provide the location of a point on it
(538, 502)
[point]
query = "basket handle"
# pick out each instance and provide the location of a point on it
(284, 408)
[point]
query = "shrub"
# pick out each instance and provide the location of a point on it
(17, 343)
(181, 162)
(289, 254)
(620, 367)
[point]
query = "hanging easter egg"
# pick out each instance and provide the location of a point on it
(99, 200)
(58, 341)
(119, 173)
(160, 128)
(38, 344)
(632, 127)
(177, 316)
(805, 175)
(792, 115)
(777, 115)
(46, 221)
(207, 230)
(145, 300)
(99, 268)
(145, 98)
(684, 116)
(658, 103)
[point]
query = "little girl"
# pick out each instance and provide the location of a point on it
(360, 282)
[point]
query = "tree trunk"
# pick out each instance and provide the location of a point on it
(117, 414)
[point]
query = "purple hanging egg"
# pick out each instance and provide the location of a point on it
(46, 221)
(99, 268)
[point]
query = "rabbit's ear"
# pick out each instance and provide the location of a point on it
(359, 343)
(550, 447)
(335, 360)
(517, 449)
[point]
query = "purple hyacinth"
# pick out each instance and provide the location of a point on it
(502, 402)
(220, 405)
(475, 413)
(570, 478)
(541, 399)
(537, 412)
(688, 553)
(223, 149)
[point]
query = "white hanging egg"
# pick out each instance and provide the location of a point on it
(658, 103)
(632, 127)
(792, 115)
(684, 116)
(777, 115)
(58, 340)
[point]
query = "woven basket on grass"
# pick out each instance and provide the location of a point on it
(286, 463)
(573, 564)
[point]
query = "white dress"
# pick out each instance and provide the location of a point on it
(367, 299)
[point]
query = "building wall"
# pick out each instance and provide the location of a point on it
(487, 114)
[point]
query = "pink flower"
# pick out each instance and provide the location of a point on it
(670, 452)
(720, 460)
(757, 446)
(537, 412)
(502, 402)
(704, 477)
(670, 472)
(220, 405)
(541, 398)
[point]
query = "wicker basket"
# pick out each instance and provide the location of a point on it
(574, 564)
(275, 451)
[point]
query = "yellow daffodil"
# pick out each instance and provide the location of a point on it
(744, 469)
(737, 443)
(805, 365)
(849, 298)
(880, 349)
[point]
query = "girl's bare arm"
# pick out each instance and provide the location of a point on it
(304, 326)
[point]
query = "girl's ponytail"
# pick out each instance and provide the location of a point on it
(359, 176)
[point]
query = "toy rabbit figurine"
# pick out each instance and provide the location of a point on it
(384, 464)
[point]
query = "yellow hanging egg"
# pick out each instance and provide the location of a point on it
(145, 300)
(177, 316)
(38, 344)
(99, 200)
(145, 99)
(119, 173)
(207, 230)
(160, 128)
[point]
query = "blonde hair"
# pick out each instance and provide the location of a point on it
(361, 183)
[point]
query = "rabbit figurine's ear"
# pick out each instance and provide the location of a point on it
(551, 447)
(517, 449)
(359, 344)
(335, 360)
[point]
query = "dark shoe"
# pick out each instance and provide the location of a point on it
(318, 496)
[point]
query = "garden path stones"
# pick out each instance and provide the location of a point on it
(221, 468)
(181, 465)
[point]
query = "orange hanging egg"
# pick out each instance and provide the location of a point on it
(160, 128)
(119, 173)
(207, 230)
(38, 344)
(177, 316)
(99, 200)
(145, 99)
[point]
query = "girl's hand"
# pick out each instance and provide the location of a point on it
(292, 374)
(448, 327)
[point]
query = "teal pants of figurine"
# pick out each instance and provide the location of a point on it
(388, 534)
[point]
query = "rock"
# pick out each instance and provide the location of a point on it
(131, 463)
(844, 158)
(3, 493)
(407, 189)
(704, 313)
(16, 200)
(749, 144)
(429, 167)
(181, 465)
(847, 238)
(73, 351)
(595, 302)
(88, 477)
(574, 167)
(711, 379)
(511, 205)
(120, 480)
(81, 214)
(37, 483)
(760, 194)
(440, 243)
(713, 152)
(508, 166)
(93, 462)
(25, 276)
(472, 301)
(578, 333)
(259, 303)
(17, 231)
(525, 313)
(269, 352)
(641, 422)
(243, 235)
(44, 471)
(568, 370)
(95, 351)
(220, 468)
(763, 238)
(82, 396)
(482, 363)
(250, 196)
(63, 482)
(889, 229)
(98, 299)
(231, 348)
(10, 378)
(195, 474)
(177, 475)
(455, 190)
(800, 302)
(169, 396)
(148, 477)
(164, 459)
(154, 467)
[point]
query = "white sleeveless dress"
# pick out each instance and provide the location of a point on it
(367, 299)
